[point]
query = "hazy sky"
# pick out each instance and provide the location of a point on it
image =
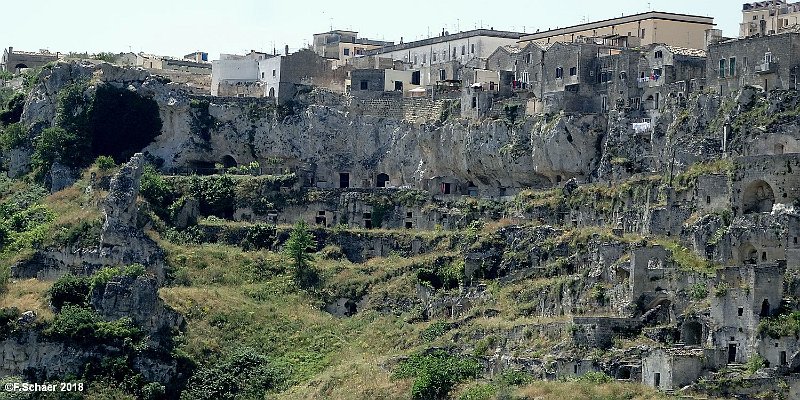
(178, 27)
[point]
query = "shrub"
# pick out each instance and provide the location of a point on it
(105, 163)
(259, 237)
(299, 248)
(243, 374)
(447, 276)
(595, 377)
(8, 320)
(436, 373)
(84, 325)
(479, 392)
(103, 276)
(781, 325)
(69, 289)
(698, 291)
(57, 144)
(435, 330)
(13, 135)
(515, 378)
(755, 363)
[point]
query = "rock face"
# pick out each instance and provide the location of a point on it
(120, 205)
(138, 299)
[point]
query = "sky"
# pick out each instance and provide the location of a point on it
(178, 27)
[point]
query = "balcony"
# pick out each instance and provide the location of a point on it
(766, 67)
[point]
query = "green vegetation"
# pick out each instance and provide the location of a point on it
(688, 179)
(243, 374)
(436, 373)
(755, 363)
(298, 248)
(782, 325)
(698, 291)
(83, 325)
(70, 290)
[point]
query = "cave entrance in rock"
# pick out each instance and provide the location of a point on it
(382, 180)
(692, 333)
(228, 161)
(758, 197)
(749, 254)
(19, 67)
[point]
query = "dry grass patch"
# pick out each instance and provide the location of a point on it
(28, 295)
(588, 391)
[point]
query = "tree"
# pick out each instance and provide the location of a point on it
(298, 248)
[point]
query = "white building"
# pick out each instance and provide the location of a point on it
(232, 71)
(437, 57)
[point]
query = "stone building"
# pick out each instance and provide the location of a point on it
(769, 62)
(742, 297)
(341, 45)
(381, 82)
(634, 30)
(670, 71)
(15, 60)
(276, 76)
(760, 182)
(673, 368)
(151, 61)
(439, 58)
(768, 17)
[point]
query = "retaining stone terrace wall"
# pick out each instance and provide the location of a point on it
(409, 109)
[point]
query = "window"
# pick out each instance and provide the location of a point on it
(659, 54)
(415, 59)
(641, 34)
(433, 57)
(767, 57)
(424, 58)
(528, 58)
(442, 75)
(755, 17)
(623, 75)
(273, 72)
(364, 85)
(740, 311)
(722, 64)
(559, 73)
(263, 74)
(732, 66)
(346, 52)
(573, 71)
(472, 49)
(454, 52)
(463, 50)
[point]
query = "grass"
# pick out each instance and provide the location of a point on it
(28, 295)
(581, 390)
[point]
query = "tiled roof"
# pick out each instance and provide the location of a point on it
(683, 51)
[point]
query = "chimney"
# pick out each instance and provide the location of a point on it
(286, 50)
(401, 40)
(10, 50)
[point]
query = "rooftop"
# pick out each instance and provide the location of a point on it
(446, 38)
(684, 51)
(697, 19)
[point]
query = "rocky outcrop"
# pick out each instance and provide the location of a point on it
(137, 298)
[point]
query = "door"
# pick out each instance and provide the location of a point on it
(732, 352)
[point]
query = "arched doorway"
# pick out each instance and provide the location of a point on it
(382, 180)
(749, 254)
(19, 67)
(271, 92)
(765, 309)
(758, 197)
(692, 333)
(228, 161)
